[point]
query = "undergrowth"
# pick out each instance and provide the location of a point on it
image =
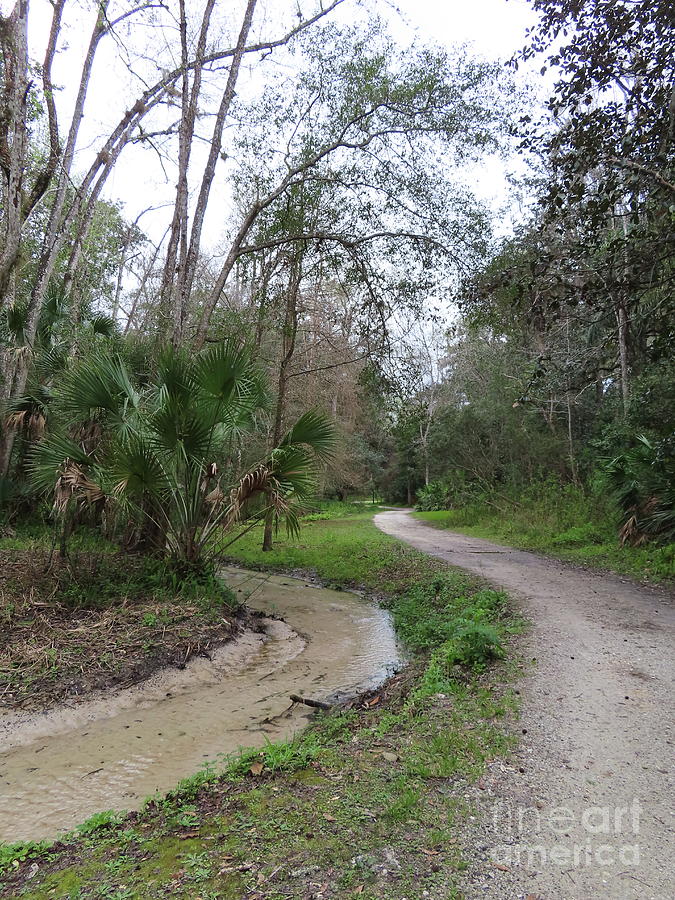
(563, 520)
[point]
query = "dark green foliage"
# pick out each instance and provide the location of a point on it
(160, 455)
(96, 582)
(642, 480)
(475, 645)
(433, 614)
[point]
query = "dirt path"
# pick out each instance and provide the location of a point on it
(584, 808)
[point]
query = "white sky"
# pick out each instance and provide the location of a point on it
(494, 28)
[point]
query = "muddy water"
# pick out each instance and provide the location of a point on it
(111, 752)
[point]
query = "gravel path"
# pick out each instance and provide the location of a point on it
(584, 808)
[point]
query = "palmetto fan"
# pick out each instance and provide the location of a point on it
(153, 452)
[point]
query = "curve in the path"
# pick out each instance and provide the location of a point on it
(585, 808)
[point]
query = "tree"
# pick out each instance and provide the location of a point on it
(33, 169)
(367, 131)
(608, 149)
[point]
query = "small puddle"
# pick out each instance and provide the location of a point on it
(59, 768)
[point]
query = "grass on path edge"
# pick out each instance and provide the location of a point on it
(582, 544)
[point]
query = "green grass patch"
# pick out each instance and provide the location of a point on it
(344, 552)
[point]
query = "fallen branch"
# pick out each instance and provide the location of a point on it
(316, 704)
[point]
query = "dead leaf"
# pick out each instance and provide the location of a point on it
(329, 818)
(430, 852)
(390, 757)
(256, 768)
(502, 868)
(359, 889)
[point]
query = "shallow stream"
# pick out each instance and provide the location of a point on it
(112, 751)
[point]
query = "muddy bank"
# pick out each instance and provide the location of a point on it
(113, 751)
(102, 621)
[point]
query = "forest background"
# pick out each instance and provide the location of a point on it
(362, 263)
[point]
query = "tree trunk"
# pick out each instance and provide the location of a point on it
(13, 135)
(623, 337)
(189, 263)
(290, 332)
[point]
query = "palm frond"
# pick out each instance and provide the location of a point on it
(174, 375)
(16, 318)
(73, 483)
(51, 314)
(100, 383)
(103, 325)
(46, 462)
(136, 469)
(315, 430)
(257, 481)
(30, 411)
(294, 470)
(51, 362)
(231, 386)
(174, 427)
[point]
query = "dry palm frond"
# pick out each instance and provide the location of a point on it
(215, 497)
(629, 533)
(22, 354)
(89, 435)
(73, 483)
(635, 530)
(37, 424)
(34, 421)
(16, 419)
(257, 481)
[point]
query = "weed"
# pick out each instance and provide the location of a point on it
(282, 756)
(12, 855)
(99, 820)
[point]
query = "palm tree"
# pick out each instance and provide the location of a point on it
(161, 455)
(642, 481)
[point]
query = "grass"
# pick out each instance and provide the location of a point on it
(369, 802)
(560, 521)
(342, 552)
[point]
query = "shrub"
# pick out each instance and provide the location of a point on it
(643, 483)
(475, 645)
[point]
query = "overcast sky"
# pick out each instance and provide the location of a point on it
(494, 28)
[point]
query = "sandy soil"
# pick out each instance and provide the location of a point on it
(584, 808)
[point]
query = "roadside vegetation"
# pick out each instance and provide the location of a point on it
(172, 395)
(372, 801)
(564, 521)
